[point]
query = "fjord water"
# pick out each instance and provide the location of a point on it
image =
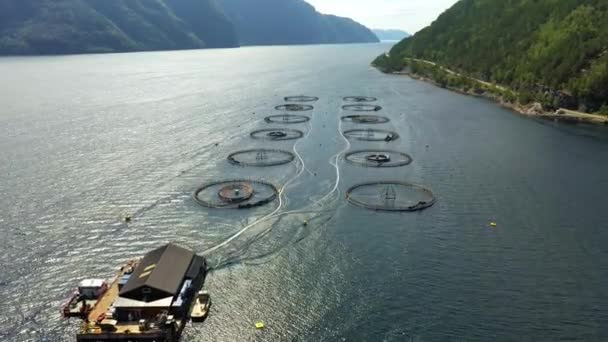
(85, 140)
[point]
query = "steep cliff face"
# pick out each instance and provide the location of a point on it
(282, 22)
(80, 26)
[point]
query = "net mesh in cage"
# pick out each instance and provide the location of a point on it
(301, 98)
(359, 99)
(390, 196)
(371, 135)
(294, 107)
(287, 119)
(365, 119)
(277, 134)
(362, 107)
(261, 157)
(378, 158)
(235, 194)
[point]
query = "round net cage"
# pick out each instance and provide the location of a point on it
(371, 135)
(287, 119)
(235, 194)
(378, 158)
(362, 107)
(294, 107)
(359, 99)
(365, 119)
(390, 196)
(261, 157)
(301, 98)
(277, 134)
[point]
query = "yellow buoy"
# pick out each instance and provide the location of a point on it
(493, 224)
(260, 325)
(305, 222)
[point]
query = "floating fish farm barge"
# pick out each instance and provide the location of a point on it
(148, 300)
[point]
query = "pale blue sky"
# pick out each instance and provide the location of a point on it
(408, 15)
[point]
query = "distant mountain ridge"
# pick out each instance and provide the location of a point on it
(554, 52)
(91, 26)
(280, 22)
(390, 34)
(77, 26)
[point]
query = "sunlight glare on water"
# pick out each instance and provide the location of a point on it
(86, 140)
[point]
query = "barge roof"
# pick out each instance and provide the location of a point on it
(162, 269)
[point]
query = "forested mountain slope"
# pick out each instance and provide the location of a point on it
(75, 26)
(551, 51)
(82, 26)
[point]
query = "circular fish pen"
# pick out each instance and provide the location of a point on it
(294, 107)
(261, 157)
(300, 98)
(390, 196)
(359, 99)
(378, 158)
(365, 119)
(235, 194)
(371, 135)
(362, 107)
(287, 119)
(277, 134)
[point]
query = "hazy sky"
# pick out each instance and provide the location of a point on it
(408, 15)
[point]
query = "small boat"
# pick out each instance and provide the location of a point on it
(84, 298)
(200, 309)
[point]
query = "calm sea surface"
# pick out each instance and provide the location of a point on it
(85, 140)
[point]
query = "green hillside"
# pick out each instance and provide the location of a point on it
(551, 51)
(88, 26)
(76, 26)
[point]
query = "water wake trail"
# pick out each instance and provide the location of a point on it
(280, 196)
(233, 254)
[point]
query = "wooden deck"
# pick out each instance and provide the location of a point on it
(104, 303)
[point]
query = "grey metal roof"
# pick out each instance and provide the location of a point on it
(162, 269)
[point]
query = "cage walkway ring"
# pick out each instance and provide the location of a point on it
(365, 119)
(371, 135)
(261, 157)
(287, 119)
(390, 196)
(378, 158)
(300, 98)
(362, 107)
(294, 107)
(277, 134)
(359, 99)
(235, 194)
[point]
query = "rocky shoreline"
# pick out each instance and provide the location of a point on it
(534, 109)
